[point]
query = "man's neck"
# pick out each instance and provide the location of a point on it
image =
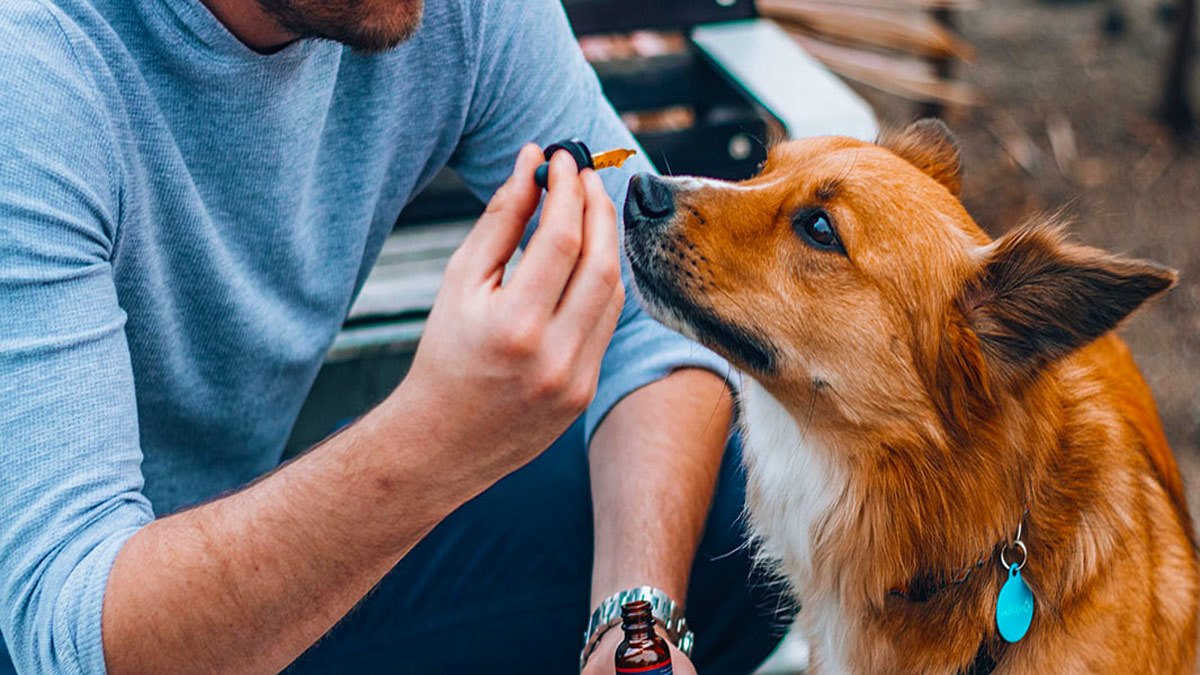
(251, 24)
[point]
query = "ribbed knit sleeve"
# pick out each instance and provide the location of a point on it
(70, 475)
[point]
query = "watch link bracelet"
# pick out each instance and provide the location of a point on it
(667, 613)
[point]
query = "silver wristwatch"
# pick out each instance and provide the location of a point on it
(666, 612)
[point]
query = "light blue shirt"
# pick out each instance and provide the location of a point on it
(183, 226)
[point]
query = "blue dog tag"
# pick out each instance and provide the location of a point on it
(1014, 607)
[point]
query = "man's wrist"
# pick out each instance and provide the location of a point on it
(667, 612)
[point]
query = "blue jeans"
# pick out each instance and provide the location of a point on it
(503, 584)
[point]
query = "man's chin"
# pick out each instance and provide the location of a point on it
(365, 26)
(386, 37)
(381, 35)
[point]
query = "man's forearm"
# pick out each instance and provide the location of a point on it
(654, 463)
(247, 582)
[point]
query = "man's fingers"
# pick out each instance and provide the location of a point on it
(553, 250)
(498, 232)
(598, 273)
(600, 333)
(593, 301)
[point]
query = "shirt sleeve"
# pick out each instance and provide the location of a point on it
(533, 84)
(70, 460)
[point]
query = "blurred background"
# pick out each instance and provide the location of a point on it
(1078, 106)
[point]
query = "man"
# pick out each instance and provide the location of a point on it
(191, 195)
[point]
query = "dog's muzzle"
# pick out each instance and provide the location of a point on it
(656, 256)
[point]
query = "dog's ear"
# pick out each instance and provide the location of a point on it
(930, 146)
(1038, 297)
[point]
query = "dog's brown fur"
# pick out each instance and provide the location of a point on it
(952, 382)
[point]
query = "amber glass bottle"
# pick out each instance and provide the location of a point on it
(642, 651)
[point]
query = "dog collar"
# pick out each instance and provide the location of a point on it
(928, 584)
(925, 585)
(1014, 605)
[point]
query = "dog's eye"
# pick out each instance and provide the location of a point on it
(815, 227)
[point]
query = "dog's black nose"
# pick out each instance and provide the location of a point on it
(650, 197)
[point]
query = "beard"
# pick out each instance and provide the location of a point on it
(368, 26)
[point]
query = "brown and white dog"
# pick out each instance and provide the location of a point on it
(918, 393)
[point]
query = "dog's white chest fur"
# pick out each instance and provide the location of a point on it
(794, 492)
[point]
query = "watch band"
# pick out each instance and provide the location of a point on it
(667, 612)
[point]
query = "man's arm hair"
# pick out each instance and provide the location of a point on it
(248, 582)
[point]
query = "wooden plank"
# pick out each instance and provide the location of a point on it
(773, 70)
(408, 273)
(911, 32)
(905, 77)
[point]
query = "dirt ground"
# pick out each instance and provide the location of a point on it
(1047, 70)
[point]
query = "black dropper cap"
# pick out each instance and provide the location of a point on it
(579, 151)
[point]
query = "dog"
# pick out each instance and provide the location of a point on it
(931, 416)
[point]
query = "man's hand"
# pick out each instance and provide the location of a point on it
(503, 371)
(601, 661)
(512, 365)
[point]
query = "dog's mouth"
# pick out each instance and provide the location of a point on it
(668, 291)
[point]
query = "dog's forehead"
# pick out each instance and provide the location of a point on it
(819, 162)
(815, 146)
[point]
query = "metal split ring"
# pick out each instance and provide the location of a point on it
(1024, 554)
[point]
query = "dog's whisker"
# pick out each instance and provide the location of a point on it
(737, 549)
